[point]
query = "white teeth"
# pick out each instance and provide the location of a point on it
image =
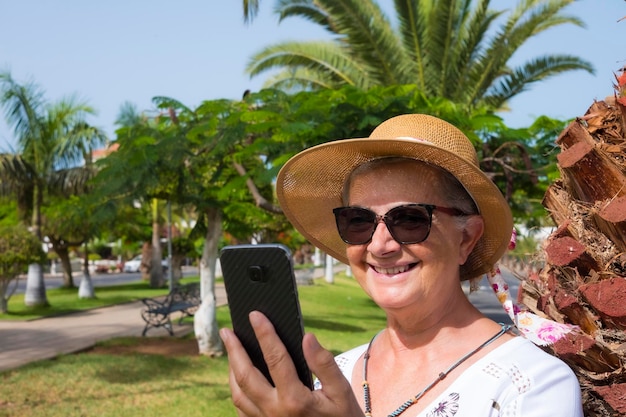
(392, 271)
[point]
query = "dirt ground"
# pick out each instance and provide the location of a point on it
(166, 346)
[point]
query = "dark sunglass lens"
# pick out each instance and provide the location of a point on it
(409, 224)
(355, 225)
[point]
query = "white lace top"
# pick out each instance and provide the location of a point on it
(517, 379)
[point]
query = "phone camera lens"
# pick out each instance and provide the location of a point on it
(255, 272)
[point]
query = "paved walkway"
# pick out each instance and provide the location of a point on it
(23, 342)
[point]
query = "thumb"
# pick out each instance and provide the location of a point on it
(336, 396)
(322, 364)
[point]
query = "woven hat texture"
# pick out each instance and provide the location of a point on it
(310, 184)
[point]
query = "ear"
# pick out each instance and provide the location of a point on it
(472, 232)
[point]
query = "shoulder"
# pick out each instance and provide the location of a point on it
(525, 355)
(347, 360)
(532, 380)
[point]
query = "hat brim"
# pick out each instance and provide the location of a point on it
(310, 185)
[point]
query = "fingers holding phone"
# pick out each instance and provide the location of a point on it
(253, 395)
(247, 383)
(277, 359)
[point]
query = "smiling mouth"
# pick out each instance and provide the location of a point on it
(394, 270)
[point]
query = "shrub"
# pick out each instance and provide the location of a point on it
(18, 249)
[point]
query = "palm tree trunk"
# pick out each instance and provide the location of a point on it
(205, 320)
(177, 267)
(86, 290)
(4, 295)
(64, 257)
(35, 294)
(582, 280)
(156, 270)
(146, 255)
(4, 305)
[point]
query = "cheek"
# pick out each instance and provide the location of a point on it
(354, 254)
(446, 244)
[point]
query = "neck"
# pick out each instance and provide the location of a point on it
(420, 328)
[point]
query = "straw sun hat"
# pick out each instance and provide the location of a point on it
(310, 184)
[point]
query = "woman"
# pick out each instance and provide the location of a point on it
(413, 215)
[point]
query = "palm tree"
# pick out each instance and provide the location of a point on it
(250, 10)
(448, 48)
(54, 144)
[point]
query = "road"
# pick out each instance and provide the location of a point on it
(98, 280)
(486, 301)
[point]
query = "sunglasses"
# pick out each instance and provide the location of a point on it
(407, 224)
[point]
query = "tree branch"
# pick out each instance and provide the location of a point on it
(258, 198)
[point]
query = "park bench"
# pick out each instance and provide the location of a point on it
(184, 299)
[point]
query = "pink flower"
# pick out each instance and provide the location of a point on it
(513, 239)
(551, 331)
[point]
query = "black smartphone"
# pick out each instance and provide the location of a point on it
(261, 278)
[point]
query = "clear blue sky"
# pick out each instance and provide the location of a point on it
(110, 52)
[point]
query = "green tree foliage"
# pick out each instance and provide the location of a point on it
(520, 161)
(18, 249)
(459, 50)
(8, 211)
(139, 174)
(70, 222)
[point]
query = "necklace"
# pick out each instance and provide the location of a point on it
(366, 388)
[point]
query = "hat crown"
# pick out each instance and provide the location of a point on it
(430, 129)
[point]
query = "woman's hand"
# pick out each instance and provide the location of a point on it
(254, 396)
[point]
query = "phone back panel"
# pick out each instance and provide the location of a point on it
(260, 277)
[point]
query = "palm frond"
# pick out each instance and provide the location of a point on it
(306, 9)
(71, 181)
(18, 181)
(14, 173)
(78, 145)
(300, 79)
(163, 102)
(530, 18)
(128, 115)
(541, 68)
(23, 104)
(361, 28)
(412, 24)
(326, 57)
(367, 32)
(250, 10)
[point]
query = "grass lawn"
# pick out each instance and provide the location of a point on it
(65, 300)
(131, 382)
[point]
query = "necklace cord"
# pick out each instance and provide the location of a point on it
(367, 401)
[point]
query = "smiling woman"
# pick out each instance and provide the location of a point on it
(413, 215)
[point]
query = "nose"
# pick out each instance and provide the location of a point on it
(382, 242)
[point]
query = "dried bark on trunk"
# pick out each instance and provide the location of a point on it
(583, 281)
